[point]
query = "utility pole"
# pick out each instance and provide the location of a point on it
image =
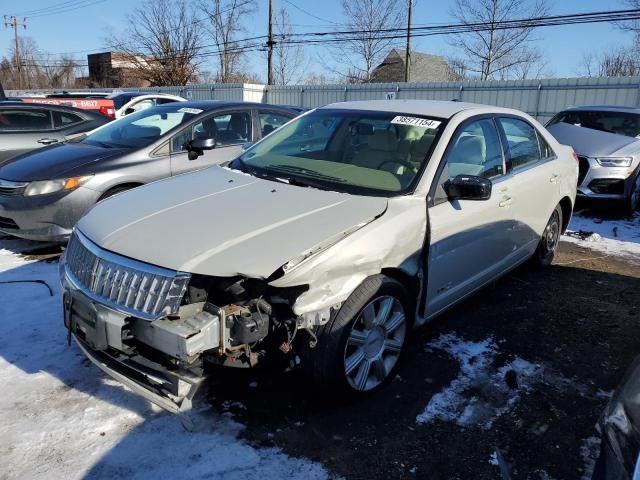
(270, 44)
(13, 22)
(407, 57)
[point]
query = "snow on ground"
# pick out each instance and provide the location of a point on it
(496, 389)
(620, 237)
(60, 417)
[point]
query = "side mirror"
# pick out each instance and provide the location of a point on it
(198, 146)
(468, 187)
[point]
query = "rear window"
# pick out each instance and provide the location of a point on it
(620, 123)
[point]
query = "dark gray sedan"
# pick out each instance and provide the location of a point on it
(28, 126)
(44, 193)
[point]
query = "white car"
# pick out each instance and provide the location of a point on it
(125, 103)
(323, 244)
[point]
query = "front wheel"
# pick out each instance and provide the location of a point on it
(359, 349)
(550, 238)
(633, 200)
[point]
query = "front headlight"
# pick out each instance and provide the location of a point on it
(51, 186)
(614, 161)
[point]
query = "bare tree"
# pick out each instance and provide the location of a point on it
(225, 26)
(162, 42)
(361, 52)
(615, 62)
(288, 60)
(494, 52)
(39, 68)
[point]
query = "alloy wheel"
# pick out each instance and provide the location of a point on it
(375, 342)
(552, 233)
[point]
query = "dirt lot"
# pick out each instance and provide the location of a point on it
(577, 321)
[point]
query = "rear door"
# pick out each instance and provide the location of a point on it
(25, 128)
(230, 128)
(469, 239)
(535, 174)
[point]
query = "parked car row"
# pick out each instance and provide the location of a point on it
(111, 105)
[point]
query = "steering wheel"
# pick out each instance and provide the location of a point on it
(400, 162)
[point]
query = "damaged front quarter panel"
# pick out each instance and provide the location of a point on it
(333, 269)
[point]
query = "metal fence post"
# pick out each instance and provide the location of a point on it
(538, 93)
(302, 96)
(345, 93)
(461, 90)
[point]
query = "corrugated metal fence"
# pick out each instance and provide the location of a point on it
(539, 98)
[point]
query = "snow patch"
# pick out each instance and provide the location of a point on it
(481, 392)
(60, 417)
(618, 237)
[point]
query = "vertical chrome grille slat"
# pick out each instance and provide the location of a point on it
(137, 288)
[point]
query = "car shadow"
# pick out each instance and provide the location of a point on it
(550, 317)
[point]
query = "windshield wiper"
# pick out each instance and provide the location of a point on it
(305, 172)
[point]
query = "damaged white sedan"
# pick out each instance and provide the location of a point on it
(322, 245)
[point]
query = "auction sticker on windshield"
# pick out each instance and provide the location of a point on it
(415, 122)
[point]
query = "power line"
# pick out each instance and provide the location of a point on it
(63, 7)
(432, 30)
(309, 13)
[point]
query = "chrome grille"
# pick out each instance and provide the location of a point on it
(12, 189)
(134, 287)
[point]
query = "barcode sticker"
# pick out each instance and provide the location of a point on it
(415, 122)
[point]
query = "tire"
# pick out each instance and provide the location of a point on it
(633, 200)
(360, 339)
(546, 250)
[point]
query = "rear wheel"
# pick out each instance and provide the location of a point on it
(359, 349)
(550, 238)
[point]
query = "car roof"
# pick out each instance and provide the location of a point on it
(604, 108)
(433, 108)
(216, 104)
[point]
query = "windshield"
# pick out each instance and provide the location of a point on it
(347, 150)
(620, 123)
(141, 129)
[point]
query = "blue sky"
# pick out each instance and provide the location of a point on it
(86, 28)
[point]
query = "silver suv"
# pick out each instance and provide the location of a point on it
(607, 141)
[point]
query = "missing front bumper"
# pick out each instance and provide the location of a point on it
(169, 390)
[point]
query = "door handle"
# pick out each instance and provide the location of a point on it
(506, 201)
(554, 178)
(48, 141)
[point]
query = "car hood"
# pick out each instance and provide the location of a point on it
(55, 161)
(593, 143)
(221, 222)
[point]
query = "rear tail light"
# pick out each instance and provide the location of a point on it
(108, 112)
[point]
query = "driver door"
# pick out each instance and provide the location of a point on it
(231, 129)
(470, 240)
